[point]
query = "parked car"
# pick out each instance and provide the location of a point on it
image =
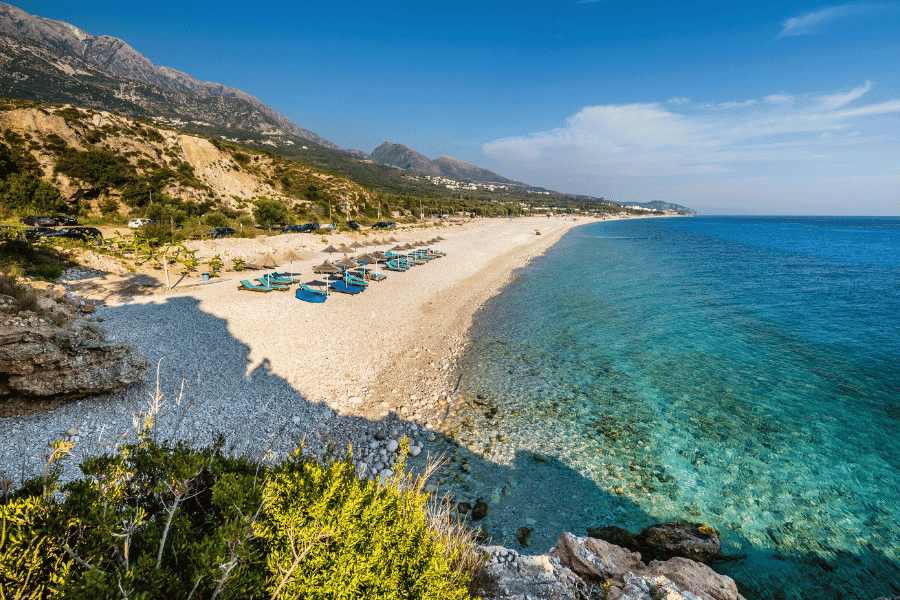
(221, 232)
(138, 223)
(65, 220)
(384, 225)
(40, 221)
(78, 233)
(354, 225)
(327, 227)
(33, 233)
(305, 228)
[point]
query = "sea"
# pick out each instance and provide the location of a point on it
(742, 372)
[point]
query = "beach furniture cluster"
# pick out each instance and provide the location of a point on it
(348, 275)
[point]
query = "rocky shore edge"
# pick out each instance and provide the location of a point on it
(590, 568)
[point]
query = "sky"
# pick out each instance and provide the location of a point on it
(728, 107)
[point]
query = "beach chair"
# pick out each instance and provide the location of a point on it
(249, 286)
(275, 279)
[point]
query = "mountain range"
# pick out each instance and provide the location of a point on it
(404, 157)
(54, 61)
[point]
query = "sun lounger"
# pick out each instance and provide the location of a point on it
(249, 286)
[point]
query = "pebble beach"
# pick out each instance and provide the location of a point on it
(268, 372)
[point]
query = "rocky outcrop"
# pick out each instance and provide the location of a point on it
(667, 540)
(42, 359)
(588, 568)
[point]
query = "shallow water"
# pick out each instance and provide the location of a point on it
(743, 372)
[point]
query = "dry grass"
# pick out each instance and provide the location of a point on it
(459, 539)
(24, 296)
(26, 299)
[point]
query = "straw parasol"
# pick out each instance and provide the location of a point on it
(326, 268)
(357, 245)
(331, 250)
(345, 264)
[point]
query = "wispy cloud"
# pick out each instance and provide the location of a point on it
(675, 139)
(815, 22)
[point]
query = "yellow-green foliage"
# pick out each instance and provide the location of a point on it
(158, 521)
(331, 535)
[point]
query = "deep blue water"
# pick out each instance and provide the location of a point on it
(743, 372)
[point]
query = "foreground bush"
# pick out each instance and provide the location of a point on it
(160, 521)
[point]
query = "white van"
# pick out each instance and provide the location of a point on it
(138, 223)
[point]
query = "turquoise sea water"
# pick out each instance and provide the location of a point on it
(743, 372)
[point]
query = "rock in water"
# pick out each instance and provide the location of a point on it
(584, 568)
(668, 540)
(39, 359)
(480, 510)
(613, 535)
(523, 535)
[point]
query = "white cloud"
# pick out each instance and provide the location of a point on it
(840, 99)
(814, 22)
(778, 99)
(684, 140)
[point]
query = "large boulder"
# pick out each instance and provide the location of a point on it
(666, 540)
(696, 577)
(588, 568)
(42, 359)
(508, 575)
(669, 540)
(593, 559)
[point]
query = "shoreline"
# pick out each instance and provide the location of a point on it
(267, 370)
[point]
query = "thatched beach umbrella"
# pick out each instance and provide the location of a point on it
(331, 250)
(326, 268)
(345, 264)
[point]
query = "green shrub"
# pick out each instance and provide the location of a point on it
(269, 213)
(43, 261)
(157, 521)
(109, 207)
(103, 169)
(216, 219)
(215, 265)
(24, 193)
(238, 264)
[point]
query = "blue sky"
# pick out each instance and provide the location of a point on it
(766, 107)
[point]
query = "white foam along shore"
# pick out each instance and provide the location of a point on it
(266, 370)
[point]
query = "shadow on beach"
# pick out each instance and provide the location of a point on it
(203, 373)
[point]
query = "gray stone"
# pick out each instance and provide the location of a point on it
(587, 568)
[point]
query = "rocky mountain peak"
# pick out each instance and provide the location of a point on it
(50, 60)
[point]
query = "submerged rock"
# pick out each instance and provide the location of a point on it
(480, 510)
(523, 536)
(669, 540)
(587, 568)
(666, 540)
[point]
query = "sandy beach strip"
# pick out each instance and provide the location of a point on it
(266, 370)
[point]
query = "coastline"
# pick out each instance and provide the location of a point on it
(255, 367)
